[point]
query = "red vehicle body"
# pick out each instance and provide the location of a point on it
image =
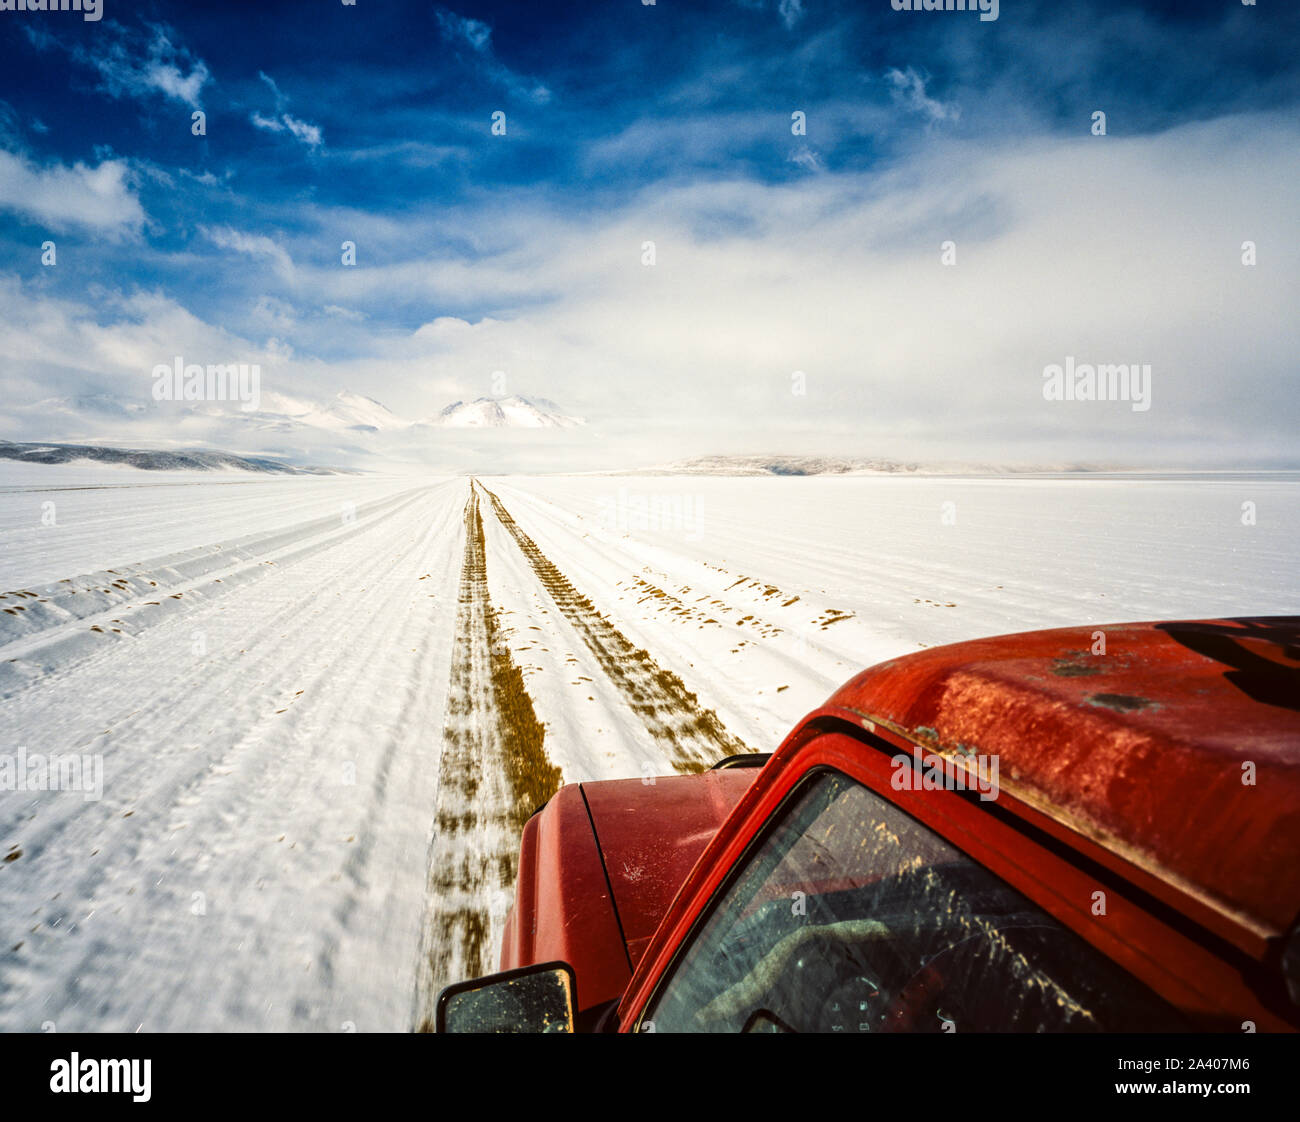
(1155, 764)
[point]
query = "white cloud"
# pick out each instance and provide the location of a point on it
(474, 32)
(130, 67)
(1124, 250)
(166, 69)
(310, 135)
(907, 88)
(251, 245)
(791, 11)
(176, 85)
(99, 198)
(272, 315)
(1110, 250)
(282, 121)
(114, 338)
(806, 158)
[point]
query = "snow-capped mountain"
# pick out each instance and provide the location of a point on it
(346, 411)
(514, 412)
(354, 411)
(345, 430)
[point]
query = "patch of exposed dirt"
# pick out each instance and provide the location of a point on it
(693, 737)
(493, 773)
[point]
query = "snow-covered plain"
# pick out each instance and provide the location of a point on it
(270, 715)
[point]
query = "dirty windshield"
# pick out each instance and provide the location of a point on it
(853, 917)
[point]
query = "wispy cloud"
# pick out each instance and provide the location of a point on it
(133, 64)
(776, 250)
(281, 101)
(789, 11)
(457, 29)
(100, 199)
(908, 89)
(311, 135)
(475, 32)
(251, 245)
(839, 275)
(11, 129)
(284, 122)
(807, 159)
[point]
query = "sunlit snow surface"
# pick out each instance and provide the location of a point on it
(261, 666)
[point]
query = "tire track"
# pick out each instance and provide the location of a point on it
(493, 773)
(217, 782)
(54, 632)
(692, 737)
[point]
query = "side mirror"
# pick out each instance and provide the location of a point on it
(540, 998)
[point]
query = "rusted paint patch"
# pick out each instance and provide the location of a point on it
(1076, 664)
(1121, 702)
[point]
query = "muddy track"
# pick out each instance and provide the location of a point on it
(493, 773)
(692, 737)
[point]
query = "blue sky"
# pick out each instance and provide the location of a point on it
(670, 123)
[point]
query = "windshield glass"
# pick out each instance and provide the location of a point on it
(853, 917)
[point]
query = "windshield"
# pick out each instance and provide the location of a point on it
(853, 917)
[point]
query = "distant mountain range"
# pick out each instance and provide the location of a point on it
(778, 465)
(152, 460)
(348, 428)
(840, 465)
(286, 433)
(345, 412)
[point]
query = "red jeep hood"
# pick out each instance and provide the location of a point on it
(1141, 748)
(651, 832)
